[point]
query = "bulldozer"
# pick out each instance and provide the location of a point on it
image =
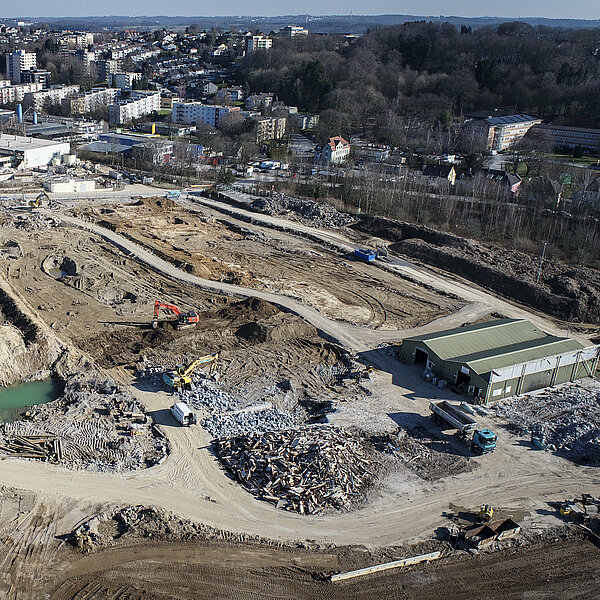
(40, 200)
(184, 319)
(183, 374)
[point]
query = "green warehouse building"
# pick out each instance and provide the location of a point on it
(501, 358)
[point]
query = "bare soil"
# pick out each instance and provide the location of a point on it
(221, 248)
(563, 291)
(561, 569)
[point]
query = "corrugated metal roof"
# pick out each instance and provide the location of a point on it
(484, 362)
(481, 337)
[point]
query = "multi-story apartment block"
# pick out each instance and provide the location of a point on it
(55, 95)
(19, 61)
(290, 31)
(233, 94)
(15, 93)
(305, 121)
(198, 113)
(36, 76)
(258, 42)
(137, 105)
(270, 128)
(124, 81)
(106, 68)
(498, 133)
(259, 101)
(89, 101)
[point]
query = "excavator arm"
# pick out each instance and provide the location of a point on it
(165, 306)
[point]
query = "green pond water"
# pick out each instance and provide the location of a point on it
(14, 400)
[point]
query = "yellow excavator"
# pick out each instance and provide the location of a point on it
(486, 513)
(39, 201)
(183, 375)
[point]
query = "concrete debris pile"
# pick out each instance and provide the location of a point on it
(566, 420)
(225, 418)
(309, 212)
(93, 426)
(429, 458)
(253, 420)
(34, 221)
(304, 470)
(208, 396)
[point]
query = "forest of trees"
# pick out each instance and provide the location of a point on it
(399, 79)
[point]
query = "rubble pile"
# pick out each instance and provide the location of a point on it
(566, 420)
(309, 212)
(248, 421)
(208, 396)
(430, 458)
(34, 221)
(304, 470)
(93, 426)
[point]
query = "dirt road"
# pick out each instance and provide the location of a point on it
(481, 302)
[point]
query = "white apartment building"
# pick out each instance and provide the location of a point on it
(258, 42)
(90, 101)
(290, 31)
(55, 95)
(16, 93)
(136, 106)
(19, 61)
(198, 113)
(124, 81)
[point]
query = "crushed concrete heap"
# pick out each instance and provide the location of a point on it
(304, 470)
(309, 212)
(566, 419)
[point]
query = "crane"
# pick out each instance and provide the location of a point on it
(184, 319)
(183, 374)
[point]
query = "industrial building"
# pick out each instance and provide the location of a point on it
(501, 358)
(30, 153)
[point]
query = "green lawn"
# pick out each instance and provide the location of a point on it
(582, 160)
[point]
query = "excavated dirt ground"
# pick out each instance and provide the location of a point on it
(563, 291)
(559, 570)
(220, 248)
(90, 296)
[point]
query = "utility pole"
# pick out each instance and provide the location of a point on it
(541, 262)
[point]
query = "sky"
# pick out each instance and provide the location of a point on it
(576, 9)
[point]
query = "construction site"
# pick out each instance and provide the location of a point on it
(246, 393)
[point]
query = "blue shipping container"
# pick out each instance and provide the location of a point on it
(366, 255)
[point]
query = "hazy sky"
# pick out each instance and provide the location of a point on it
(581, 9)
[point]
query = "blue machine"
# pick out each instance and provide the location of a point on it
(365, 254)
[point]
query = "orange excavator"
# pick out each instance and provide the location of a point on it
(184, 319)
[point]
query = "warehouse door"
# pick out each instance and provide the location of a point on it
(421, 356)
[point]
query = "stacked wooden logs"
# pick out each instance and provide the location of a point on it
(304, 470)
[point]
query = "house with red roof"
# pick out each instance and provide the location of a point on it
(333, 152)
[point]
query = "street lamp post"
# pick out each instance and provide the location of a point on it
(541, 262)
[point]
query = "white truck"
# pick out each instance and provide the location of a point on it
(183, 413)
